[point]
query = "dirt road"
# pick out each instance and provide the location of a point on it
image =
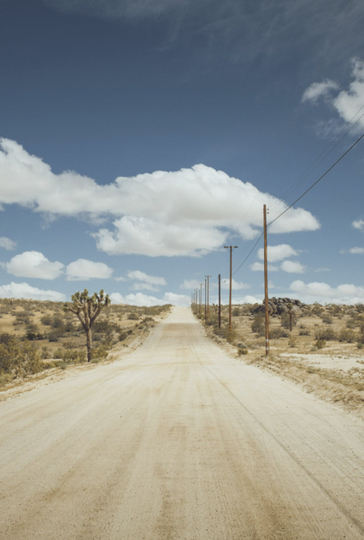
(178, 441)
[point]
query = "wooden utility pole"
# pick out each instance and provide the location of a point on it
(219, 300)
(199, 310)
(266, 282)
(205, 299)
(207, 292)
(231, 280)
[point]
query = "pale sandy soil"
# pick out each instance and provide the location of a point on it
(178, 440)
(325, 361)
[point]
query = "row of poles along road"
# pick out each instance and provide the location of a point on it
(196, 295)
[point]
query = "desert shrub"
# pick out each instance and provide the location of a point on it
(320, 343)
(46, 320)
(236, 312)
(303, 331)
(325, 333)
(242, 351)
(292, 342)
(224, 332)
(45, 353)
(32, 332)
(133, 316)
(285, 322)
(57, 322)
(317, 309)
(101, 351)
(18, 358)
(360, 308)
(277, 332)
(70, 356)
(326, 319)
(347, 335)
(258, 325)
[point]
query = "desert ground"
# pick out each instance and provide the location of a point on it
(181, 438)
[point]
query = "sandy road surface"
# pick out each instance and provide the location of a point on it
(178, 441)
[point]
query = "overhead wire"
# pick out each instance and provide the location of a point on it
(299, 198)
(329, 46)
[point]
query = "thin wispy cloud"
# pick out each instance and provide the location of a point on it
(247, 29)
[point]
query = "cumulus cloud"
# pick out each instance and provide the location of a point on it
(142, 276)
(317, 90)
(141, 299)
(33, 264)
(293, 267)
(277, 253)
(187, 212)
(190, 284)
(145, 282)
(84, 270)
(356, 250)
(358, 224)
(322, 292)
(23, 290)
(348, 103)
(236, 285)
(7, 244)
(259, 267)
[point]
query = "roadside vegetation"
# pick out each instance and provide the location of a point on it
(320, 347)
(40, 336)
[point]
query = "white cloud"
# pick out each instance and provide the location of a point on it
(23, 290)
(248, 299)
(144, 287)
(7, 244)
(117, 298)
(277, 253)
(348, 103)
(187, 212)
(141, 276)
(323, 269)
(356, 250)
(83, 270)
(322, 292)
(316, 90)
(120, 278)
(259, 267)
(190, 284)
(293, 267)
(140, 299)
(137, 235)
(236, 285)
(33, 264)
(358, 224)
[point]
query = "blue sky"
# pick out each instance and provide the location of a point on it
(140, 137)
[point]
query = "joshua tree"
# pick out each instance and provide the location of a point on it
(87, 310)
(290, 313)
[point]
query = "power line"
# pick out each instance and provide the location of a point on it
(326, 152)
(318, 180)
(299, 198)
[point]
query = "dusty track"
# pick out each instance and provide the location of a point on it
(178, 441)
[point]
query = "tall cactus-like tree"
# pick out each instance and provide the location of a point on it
(290, 313)
(88, 308)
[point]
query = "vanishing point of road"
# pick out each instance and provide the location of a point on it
(178, 441)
